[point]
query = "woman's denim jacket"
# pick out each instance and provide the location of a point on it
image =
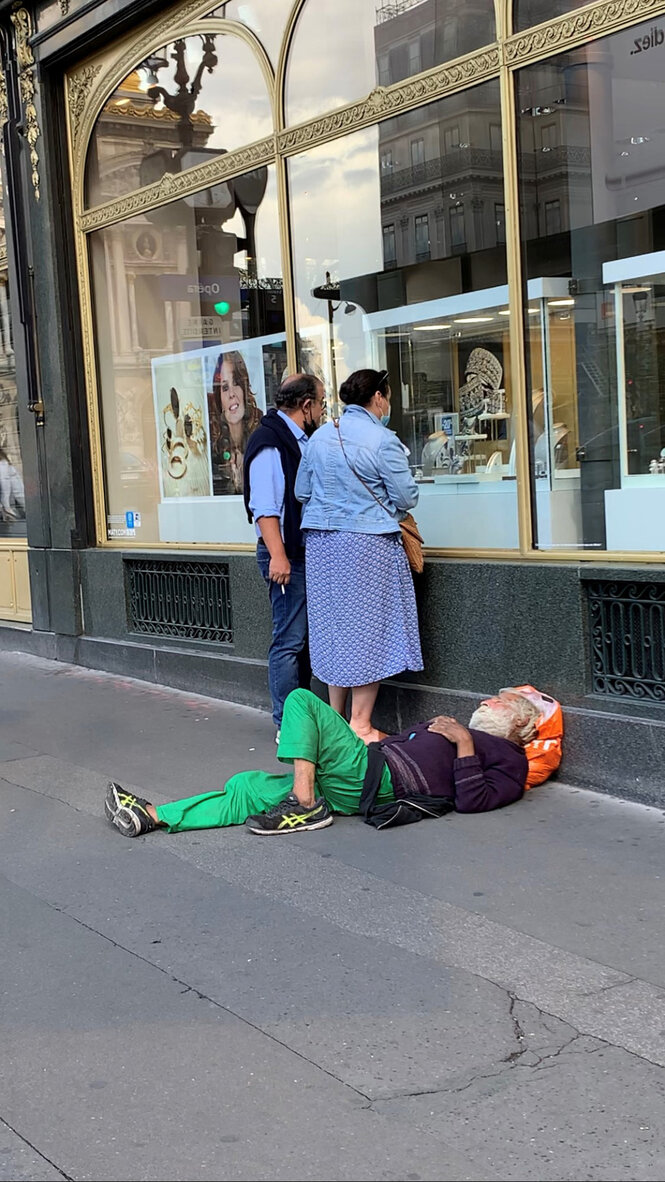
(334, 498)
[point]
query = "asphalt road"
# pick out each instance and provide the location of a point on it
(470, 998)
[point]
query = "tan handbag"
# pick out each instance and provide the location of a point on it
(413, 543)
(411, 539)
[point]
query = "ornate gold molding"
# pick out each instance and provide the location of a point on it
(4, 101)
(3, 254)
(79, 83)
(391, 100)
(26, 80)
(181, 184)
(596, 20)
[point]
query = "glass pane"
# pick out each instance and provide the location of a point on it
(592, 162)
(405, 270)
(12, 494)
(266, 18)
(372, 43)
(533, 12)
(192, 100)
(189, 326)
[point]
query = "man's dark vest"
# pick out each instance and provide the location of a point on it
(274, 432)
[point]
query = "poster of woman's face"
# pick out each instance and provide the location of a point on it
(236, 401)
(181, 416)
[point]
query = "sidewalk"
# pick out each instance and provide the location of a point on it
(471, 998)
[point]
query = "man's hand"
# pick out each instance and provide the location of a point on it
(279, 570)
(453, 730)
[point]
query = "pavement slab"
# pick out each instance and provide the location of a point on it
(476, 998)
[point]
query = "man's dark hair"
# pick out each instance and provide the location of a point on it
(361, 386)
(295, 390)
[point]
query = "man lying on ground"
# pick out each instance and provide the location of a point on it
(439, 763)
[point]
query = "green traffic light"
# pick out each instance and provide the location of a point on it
(222, 307)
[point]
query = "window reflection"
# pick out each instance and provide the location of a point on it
(191, 346)
(534, 12)
(392, 40)
(405, 269)
(592, 165)
(196, 98)
(266, 18)
(12, 492)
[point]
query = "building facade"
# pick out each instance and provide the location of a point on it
(200, 199)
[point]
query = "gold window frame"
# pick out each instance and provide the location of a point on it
(90, 83)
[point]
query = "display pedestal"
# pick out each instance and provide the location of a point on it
(634, 518)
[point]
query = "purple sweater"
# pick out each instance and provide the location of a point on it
(423, 762)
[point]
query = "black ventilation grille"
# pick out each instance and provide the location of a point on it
(628, 639)
(186, 599)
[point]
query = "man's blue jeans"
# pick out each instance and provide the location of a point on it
(288, 655)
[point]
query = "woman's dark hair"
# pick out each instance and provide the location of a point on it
(361, 386)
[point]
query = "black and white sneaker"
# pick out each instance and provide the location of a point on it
(289, 816)
(127, 812)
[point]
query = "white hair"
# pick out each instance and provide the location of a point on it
(517, 720)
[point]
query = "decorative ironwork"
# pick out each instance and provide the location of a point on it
(64, 7)
(390, 100)
(628, 639)
(567, 31)
(26, 80)
(191, 600)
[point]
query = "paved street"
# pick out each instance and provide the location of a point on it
(470, 998)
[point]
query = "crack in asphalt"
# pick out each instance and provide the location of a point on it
(43, 1156)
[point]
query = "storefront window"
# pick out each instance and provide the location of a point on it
(342, 51)
(12, 494)
(191, 346)
(266, 18)
(593, 225)
(406, 270)
(186, 103)
(535, 12)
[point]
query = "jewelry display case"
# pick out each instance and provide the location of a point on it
(634, 511)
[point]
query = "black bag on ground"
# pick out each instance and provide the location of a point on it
(401, 811)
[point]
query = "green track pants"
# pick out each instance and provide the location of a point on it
(310, 730)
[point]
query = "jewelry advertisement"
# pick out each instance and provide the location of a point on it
(183, 431)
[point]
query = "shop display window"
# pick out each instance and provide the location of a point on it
(186, 103)
(380, 274)
(392, 40)
(593, 220)
(266, 18)
(12, 492)
(191, 346)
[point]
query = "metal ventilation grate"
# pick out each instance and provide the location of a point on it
(628, 639)
(187, 599)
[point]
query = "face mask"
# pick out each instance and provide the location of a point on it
(385, 419)
(309, 428)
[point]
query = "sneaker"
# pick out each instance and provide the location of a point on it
(128, 813)
(289, 816)
(278, 734)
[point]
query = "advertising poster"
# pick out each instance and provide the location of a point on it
(183, 432)
(236, 396)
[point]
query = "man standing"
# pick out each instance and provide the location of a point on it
(271, 464)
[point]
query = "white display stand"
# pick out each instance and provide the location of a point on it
(205, 519)
(634, 518)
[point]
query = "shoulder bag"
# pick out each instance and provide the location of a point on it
(411, 539)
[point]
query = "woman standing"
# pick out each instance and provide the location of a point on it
(233, 416)
(355, 485)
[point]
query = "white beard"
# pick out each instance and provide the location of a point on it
(492, 721)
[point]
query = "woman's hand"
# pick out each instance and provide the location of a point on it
(453, 730)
